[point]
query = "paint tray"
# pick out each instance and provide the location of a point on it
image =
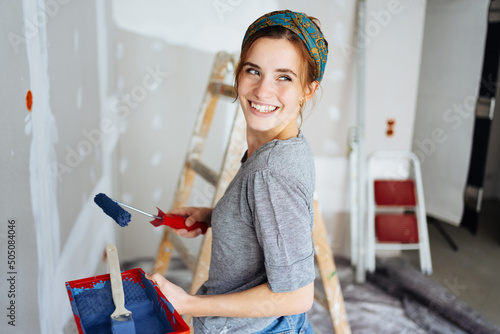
(92, 305)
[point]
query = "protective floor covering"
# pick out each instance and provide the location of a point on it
(397, 299)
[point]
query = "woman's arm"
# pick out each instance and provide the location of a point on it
(252, 303)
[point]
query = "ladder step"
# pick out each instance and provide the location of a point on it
(395, 192)
(389, 247)
(204, 171)
(218, 88)
(396, 228)
(184, 252)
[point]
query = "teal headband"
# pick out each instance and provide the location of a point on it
(303, 27)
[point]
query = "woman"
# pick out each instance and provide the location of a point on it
(262, 274)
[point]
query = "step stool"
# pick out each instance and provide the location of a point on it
(396, 208)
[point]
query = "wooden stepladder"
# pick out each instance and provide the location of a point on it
(221, 72)
(332, 299)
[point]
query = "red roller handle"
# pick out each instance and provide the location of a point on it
(177, 222)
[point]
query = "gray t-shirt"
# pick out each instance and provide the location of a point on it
(262, 230)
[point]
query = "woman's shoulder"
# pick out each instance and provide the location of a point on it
(290, 152)
(282, 154)
(289, 161)
(291, 158)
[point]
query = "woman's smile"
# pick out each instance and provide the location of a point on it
(262, 110)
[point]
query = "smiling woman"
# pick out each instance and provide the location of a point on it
(261, 277)
(270, 91)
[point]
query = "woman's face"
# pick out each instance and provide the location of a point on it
(269, 87)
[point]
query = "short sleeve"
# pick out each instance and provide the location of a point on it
(283, 217)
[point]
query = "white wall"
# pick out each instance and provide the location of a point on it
(53, 157)
(394, 35)
(15, 201)
(454, 38)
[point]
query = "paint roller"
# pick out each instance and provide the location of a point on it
(121, 319)
(113, 208)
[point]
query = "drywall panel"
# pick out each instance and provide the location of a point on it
(19, 295)
(210, 26)
(52, 160)
(160, 90)
(74, 100)
(392, 39)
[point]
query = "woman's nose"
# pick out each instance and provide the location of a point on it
(263, 89)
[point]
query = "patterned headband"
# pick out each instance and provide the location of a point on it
(303, 27)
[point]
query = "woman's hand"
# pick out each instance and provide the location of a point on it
(193, 214)
(179, 298)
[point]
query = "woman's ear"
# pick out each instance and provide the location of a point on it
(313, 87)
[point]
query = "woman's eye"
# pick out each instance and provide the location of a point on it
(285, 78)
(253, 71)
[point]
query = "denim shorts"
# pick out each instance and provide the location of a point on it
(289, 324)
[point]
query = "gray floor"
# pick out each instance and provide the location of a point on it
(473, 272)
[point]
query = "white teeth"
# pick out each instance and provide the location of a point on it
(265, 109)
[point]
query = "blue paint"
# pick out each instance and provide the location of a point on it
(112, 209)
(95, 306)
(97, 285)
(123, 327)
(170, 307)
